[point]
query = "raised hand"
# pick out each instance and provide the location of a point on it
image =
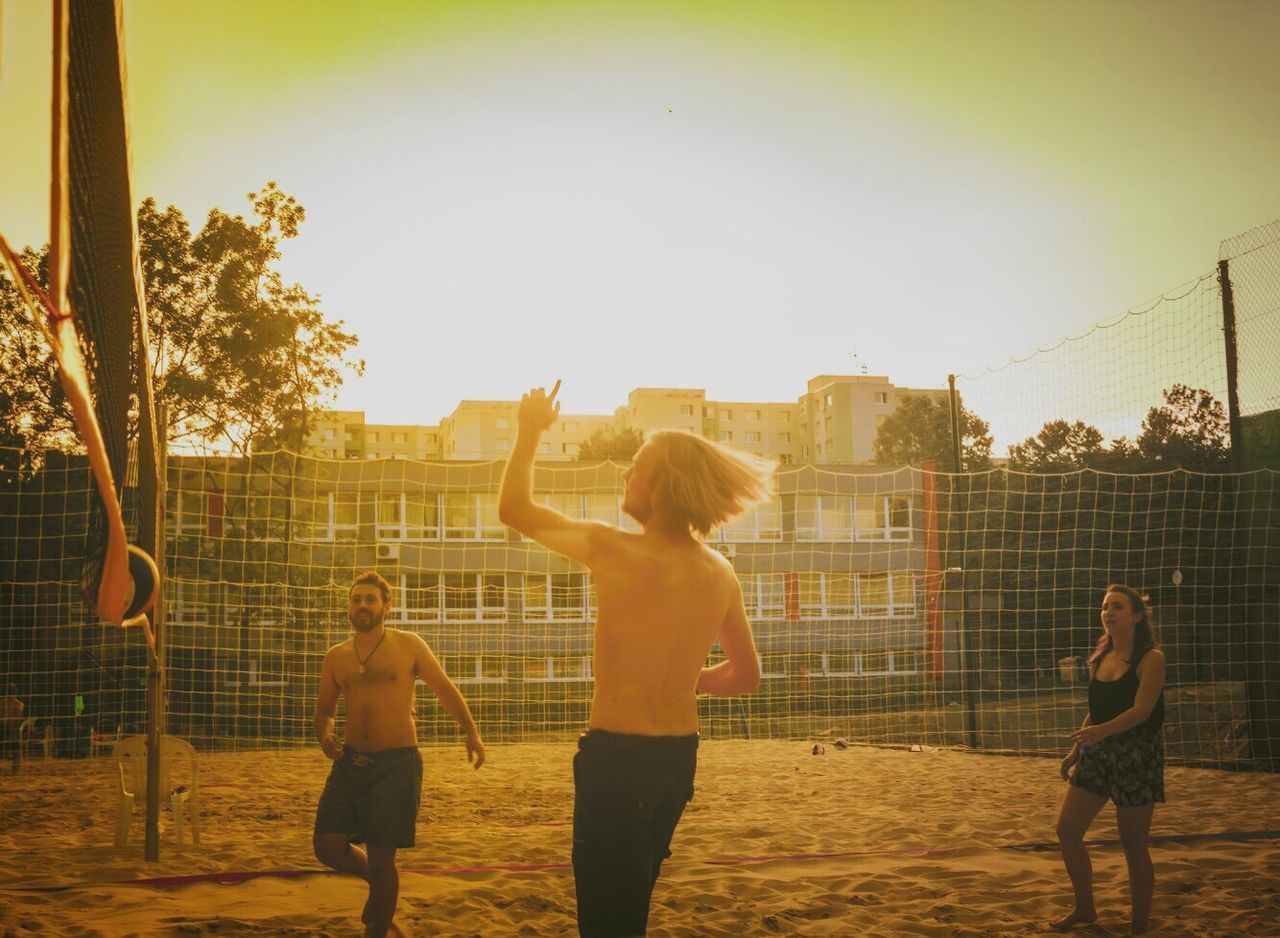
(538, 409)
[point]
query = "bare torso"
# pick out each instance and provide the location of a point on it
(380, 699)
(660, 608)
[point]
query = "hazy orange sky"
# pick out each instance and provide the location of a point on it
(736, 196)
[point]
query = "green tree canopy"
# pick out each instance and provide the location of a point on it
(1190, 431)
(1058, 447)
(239, 358)
(919, 429)
(607, 443)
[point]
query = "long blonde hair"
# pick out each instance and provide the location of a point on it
(707, 484)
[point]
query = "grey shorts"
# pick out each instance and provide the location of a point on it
(373, 797)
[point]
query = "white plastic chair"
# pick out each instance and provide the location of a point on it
(102, 744)
(32, 736)
(131, 761)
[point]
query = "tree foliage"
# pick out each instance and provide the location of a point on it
(1190, 431)
(608, 443)
(239, 358)
(919, 430)
(1058, 447)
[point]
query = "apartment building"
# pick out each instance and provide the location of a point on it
(839, 416)
(343, 434)
(833, 423)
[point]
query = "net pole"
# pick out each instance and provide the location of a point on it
(1233, 362)
(155, 659)
(59, 218)
(971, 716)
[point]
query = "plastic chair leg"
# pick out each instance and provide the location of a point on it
(124, 813)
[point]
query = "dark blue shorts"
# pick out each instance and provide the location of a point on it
(629, 794)
(373, 797)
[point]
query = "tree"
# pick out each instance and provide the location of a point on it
(1190, 431)
(919, 429)
(608, 443)
(1058, 447)
(33, 410)
(238, 357)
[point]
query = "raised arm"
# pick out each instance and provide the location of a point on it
(576, 539)
(428, 668)
(325, 720)
(740, 672)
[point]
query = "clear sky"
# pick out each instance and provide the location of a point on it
(735, 196)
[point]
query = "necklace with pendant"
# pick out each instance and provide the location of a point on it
(371, 651)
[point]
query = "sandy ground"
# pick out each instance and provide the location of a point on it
(776, 842)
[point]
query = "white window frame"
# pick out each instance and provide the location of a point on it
(406, 615)
(476, 529)
(548, 613)
(174, 521)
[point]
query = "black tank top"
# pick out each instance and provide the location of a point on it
(1109, 699)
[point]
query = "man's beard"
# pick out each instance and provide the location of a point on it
(365, 623)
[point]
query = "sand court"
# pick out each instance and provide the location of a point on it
(777, 841)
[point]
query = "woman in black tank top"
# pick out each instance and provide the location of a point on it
(1117, 755)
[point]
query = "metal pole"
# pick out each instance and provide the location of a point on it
(155, 660)
(966, 679)
(1233, 389)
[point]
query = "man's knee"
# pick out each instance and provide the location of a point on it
(330, 848)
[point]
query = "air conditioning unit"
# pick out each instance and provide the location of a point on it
(388, 551)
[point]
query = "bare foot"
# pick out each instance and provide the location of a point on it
(1073, 918)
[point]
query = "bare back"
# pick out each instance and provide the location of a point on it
(380, 698)
(661, 607)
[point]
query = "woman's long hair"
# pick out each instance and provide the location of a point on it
(1144, 630)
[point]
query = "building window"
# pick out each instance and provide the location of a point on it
(726, 415)
(544, 447)
(726, 436)
(569, 449)
(399, 438)
(502, 423)
(784, 437)
(784, 459)
(503, 445)
(559, 597)
(753, 415)
(709, 413)
(883, 517)
(829, 400)
(410, 517)
(784, 416)
(686, 410)
(329, 433)
(373, 436)
(184, 513)
(882, 397)
(764, 595)
(418, 598)
(472, 517)
(349, 436)
(473, 597)
(762, 523)
(753, 437)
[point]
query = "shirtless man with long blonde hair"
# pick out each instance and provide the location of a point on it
(664, 599)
